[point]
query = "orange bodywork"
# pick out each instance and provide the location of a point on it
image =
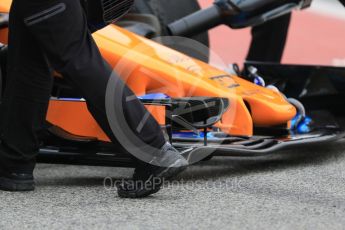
(148, 67)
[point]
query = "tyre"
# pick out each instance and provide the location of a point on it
(168, 11)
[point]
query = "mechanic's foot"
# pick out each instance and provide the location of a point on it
(148, 179)
(16, 182)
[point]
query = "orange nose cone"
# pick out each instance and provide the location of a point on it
(270, 109)
(270, 116)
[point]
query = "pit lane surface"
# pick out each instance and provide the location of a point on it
(299, 189)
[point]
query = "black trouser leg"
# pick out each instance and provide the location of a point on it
(26, 96)
(64, 38)
(269, 39)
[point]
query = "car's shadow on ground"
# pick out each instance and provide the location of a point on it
(74, 176)
(215, 168)
(237, 166)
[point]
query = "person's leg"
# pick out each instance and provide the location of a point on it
(24, 105)
(269, 39)
(27, 93)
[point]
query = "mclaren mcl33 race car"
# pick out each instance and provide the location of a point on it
(204, 111)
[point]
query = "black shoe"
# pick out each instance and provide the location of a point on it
(16, 182)
(148, 179)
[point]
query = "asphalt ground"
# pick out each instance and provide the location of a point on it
(295, 189)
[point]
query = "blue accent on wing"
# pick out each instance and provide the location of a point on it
(154, 96)
(303, 126)
(193, 135)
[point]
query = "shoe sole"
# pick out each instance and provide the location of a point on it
(167, 173)
(136, 194)
(16, 186)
